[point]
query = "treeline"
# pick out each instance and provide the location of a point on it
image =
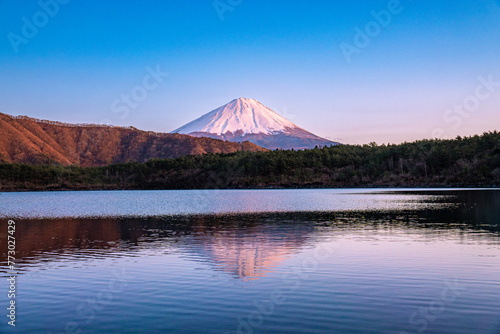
(461, 162)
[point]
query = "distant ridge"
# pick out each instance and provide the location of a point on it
(71, 125)
(248, 119)
(29, 140)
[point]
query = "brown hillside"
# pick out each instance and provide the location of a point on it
(33, 141)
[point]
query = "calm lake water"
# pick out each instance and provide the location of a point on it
(254, 261)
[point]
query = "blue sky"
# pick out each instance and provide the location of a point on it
(424, 60)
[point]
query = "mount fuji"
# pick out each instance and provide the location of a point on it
(249, 120)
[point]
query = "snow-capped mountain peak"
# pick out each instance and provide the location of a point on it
(246, 115)
(249, 120)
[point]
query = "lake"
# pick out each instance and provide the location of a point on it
(253, 261)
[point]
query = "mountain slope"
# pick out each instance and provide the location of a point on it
(247, 119)
(28, 140)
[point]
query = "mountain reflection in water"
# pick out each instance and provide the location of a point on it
(340, 271)
(243, 246)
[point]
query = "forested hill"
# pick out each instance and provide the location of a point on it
(33, 141)
(462, 162)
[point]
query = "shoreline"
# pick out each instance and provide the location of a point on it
(381, 187)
